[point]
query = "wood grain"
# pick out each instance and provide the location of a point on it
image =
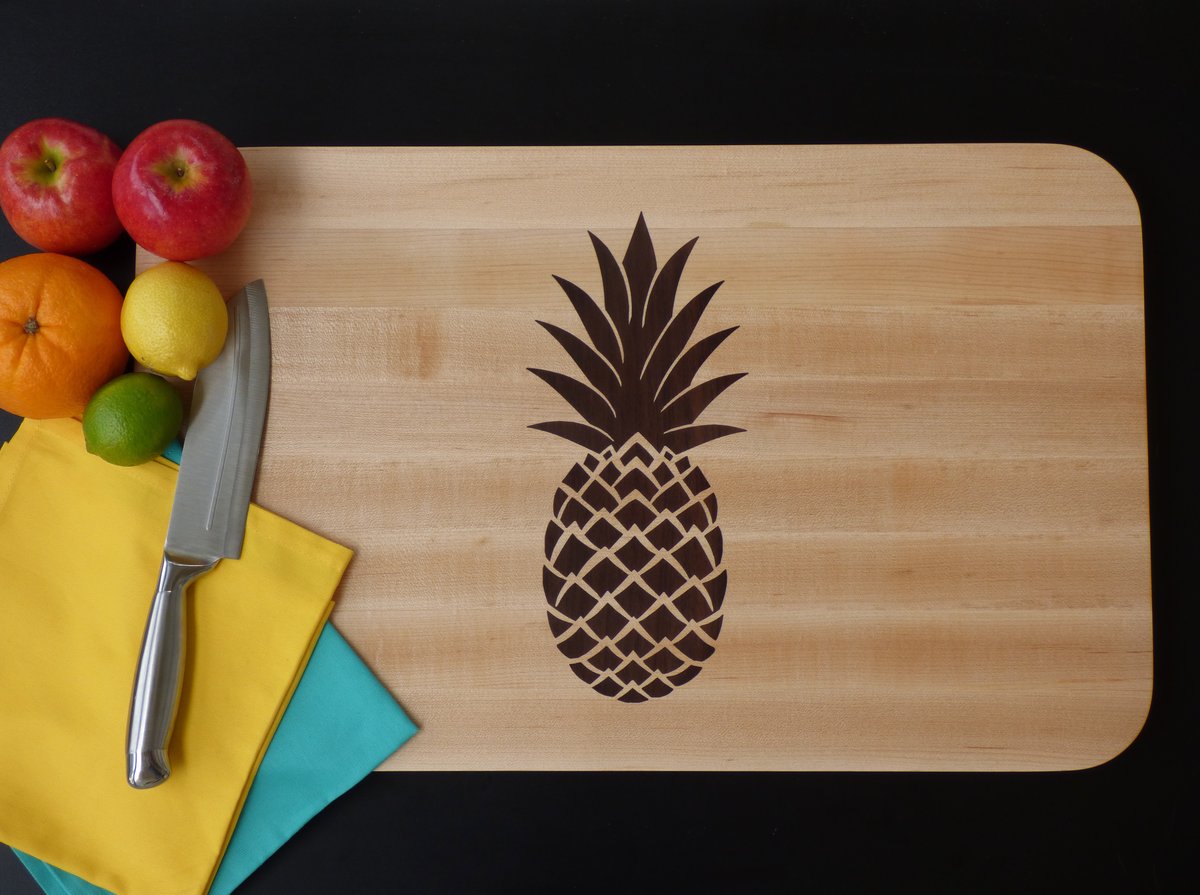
(935, 525)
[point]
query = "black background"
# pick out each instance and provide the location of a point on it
(1115, 78)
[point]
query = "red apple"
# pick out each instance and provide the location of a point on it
(56, 186)
(182, 190)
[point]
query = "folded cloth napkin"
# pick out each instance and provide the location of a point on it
(339, 726)
(80, 546)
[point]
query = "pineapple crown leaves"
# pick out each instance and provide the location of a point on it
(639, 375)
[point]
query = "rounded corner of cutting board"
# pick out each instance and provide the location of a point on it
(1091, 162)
(1122, 741)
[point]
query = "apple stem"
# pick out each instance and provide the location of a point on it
(180, 171)
(49, 163)
(31, 325)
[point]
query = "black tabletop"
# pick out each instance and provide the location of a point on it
(1116, 78)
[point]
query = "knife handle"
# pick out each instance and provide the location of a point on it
(159, 674)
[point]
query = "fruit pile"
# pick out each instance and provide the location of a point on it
(182, 191)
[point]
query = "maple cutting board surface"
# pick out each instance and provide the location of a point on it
(928, 549)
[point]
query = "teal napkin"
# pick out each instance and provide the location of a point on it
(339, 726)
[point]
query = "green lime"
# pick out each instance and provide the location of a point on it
(132, 419)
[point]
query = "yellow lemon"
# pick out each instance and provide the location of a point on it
(174, 319)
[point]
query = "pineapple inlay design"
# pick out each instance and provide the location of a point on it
(633, 577)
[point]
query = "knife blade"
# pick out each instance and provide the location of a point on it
(208, 520)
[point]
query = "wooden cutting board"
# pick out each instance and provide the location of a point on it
(928, 549)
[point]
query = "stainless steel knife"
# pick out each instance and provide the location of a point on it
(208, 520)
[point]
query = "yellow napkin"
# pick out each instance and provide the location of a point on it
(80, 546)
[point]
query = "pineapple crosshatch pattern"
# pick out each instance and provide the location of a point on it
(633, 574)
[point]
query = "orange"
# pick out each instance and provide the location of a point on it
(60, 335)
